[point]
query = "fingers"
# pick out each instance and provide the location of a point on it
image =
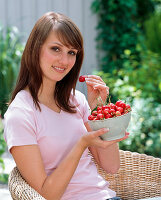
(94, 140)
(95, 134)
(94, 77)
(102, 88)
(98, 86)
(100, 132)
(97, 83)
(123, 138)
(94, 80)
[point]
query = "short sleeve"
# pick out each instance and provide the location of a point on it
(19, 127)
(83, 106)
(86, 110)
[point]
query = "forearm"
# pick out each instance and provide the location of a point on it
(55, 184)
(109, 158)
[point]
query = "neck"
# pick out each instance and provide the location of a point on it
(46, 92)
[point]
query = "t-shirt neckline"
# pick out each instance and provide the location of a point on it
(43, 105)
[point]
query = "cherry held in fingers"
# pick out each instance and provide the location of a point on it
(82, 78)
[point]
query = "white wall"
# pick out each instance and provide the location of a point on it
(24, 14)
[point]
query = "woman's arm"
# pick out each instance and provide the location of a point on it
(108, 158)
(29, 162)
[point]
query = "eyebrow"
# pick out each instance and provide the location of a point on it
(57, 43)
(60, 44)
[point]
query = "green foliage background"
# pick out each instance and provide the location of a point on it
(10, 53)
(129, 49)
(11, 49)
(119, 23)
(3, 176)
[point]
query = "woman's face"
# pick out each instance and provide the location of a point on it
(56, 60)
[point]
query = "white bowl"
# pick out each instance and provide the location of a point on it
(117, 126)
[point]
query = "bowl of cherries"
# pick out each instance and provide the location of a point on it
(116, 117)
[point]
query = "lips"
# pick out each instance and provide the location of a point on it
(59, 69)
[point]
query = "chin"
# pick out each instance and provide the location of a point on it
(58, 78)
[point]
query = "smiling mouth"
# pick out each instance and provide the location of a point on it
(59, 69)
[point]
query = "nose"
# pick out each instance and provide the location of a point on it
(63, 59)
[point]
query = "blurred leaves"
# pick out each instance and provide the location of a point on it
(10, 53)
(145, 128)
(129, 54)
(11, 49)
(2, 150)
(153, 33)
(117, 31)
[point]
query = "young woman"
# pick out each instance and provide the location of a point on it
(46, 126)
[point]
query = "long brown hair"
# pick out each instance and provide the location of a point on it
(30, 72)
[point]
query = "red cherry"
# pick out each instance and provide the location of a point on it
(90, 117)
(123, 105)
(120, 109)
(99, 112)
(100, 116)
(128, 107)
(105, 112)
(94, 113)
(118, 103)
(107, 116)
(104, 107)
(118, 113)
(99, 108)
(111, 105)
(112, 111)
(82, 78)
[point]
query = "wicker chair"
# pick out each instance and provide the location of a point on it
(139, 177)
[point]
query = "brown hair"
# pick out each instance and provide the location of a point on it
(30, 72)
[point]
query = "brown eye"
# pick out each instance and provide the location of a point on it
(55, 49)
(73, 53)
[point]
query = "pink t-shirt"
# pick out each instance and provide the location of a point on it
(56, 134)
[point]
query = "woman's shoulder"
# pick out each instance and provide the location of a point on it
(23, 99)
(82, 105)
(79, 95)
(78, 98)
(22, 103)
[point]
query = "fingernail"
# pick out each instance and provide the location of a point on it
(106, 129)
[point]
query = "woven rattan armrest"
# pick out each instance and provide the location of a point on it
(139, 177)
(20, 189)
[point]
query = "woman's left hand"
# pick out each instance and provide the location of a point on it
(97, 91)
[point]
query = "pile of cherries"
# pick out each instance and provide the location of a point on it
(109, 111)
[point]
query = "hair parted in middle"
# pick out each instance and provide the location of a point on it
(30, 72)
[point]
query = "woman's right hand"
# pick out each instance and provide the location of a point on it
(92, 139)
